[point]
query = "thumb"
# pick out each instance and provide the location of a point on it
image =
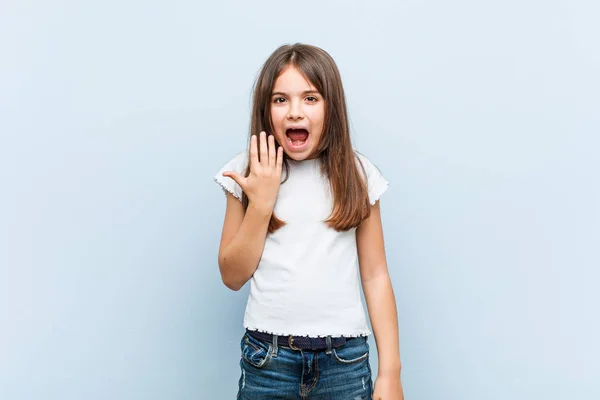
(239, 179)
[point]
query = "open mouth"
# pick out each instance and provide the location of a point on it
(296, 138)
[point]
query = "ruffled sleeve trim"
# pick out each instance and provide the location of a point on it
(376, 182)
(236, 164)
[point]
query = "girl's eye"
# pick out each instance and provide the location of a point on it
(311, 98)
(278, 100)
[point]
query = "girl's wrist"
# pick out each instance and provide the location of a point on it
(262, 208)
(392, 371)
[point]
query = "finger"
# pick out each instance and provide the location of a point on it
(264, 160)
(253, 152)
(272, 151)
(239, 179)
(279, 159)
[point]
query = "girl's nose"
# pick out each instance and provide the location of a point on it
(295, 110)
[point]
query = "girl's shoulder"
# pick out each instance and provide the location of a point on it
(238, 164)
(364, 160)
(377, 184)
(239, 160)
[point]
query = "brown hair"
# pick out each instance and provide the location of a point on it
(334, 150)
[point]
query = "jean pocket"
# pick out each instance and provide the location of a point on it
(255, 352)
(354, 351)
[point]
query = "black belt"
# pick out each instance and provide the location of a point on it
(299, 342)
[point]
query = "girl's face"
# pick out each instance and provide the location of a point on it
(297, 113)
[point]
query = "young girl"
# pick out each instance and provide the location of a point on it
(302, 219)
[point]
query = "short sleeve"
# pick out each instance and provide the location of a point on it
(236, 164)
(376, 182)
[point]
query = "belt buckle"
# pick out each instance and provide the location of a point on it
(291, 343)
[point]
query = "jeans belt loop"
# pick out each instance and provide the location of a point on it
(328, 341)
(275, 348)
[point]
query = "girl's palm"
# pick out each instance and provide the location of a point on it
(262, 185)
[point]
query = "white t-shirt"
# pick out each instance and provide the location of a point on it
(307, 280)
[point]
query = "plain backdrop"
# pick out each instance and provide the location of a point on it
(115, 115)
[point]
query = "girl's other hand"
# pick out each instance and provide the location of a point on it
(388, 388)
(262, 185)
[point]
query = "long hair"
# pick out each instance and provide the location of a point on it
(334, 150)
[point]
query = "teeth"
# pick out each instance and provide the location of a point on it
(296, 142)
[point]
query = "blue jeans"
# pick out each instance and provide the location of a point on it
(275, 372)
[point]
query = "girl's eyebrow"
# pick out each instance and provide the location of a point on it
(304, 93)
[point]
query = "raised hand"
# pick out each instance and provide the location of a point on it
(262, 185)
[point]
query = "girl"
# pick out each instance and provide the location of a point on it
(302, 218)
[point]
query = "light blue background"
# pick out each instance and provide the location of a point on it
(114, 116)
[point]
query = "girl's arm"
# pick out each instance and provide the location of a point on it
(381, 304)
(242, 241)
(244, 233)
